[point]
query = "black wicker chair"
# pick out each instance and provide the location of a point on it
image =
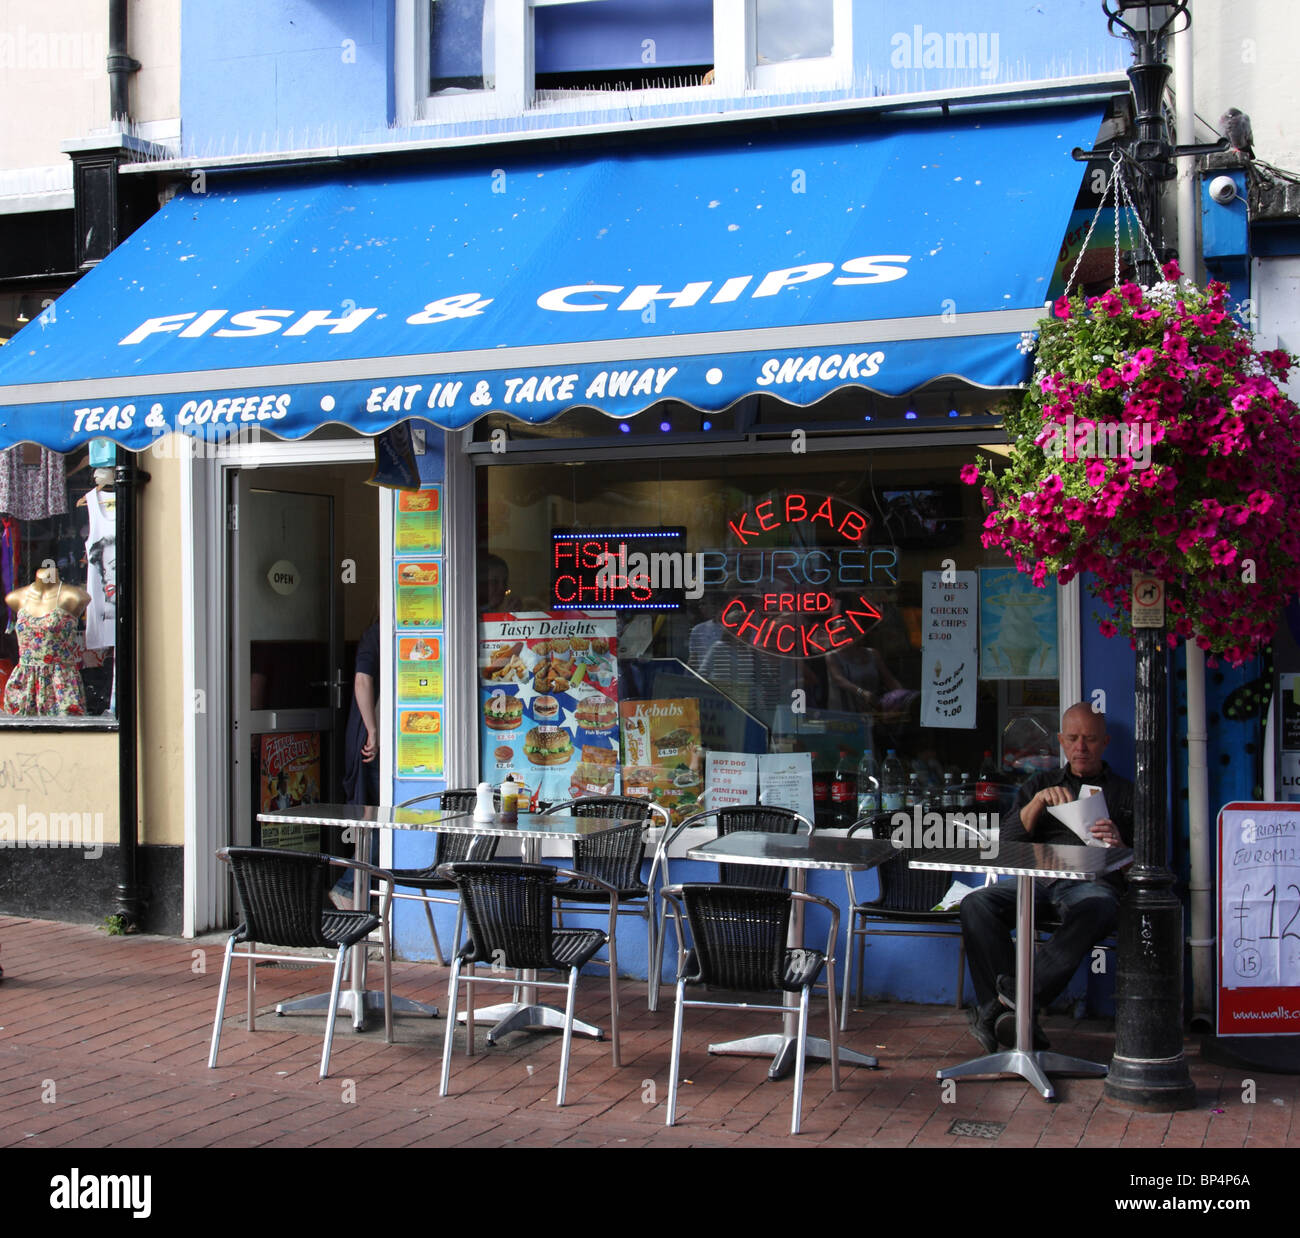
(284, 900)
(907, 896)
(510, 908)
(740, 936)
(615, 858)
(743, 817)
(449, 849)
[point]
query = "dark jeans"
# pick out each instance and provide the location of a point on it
(1088, 911)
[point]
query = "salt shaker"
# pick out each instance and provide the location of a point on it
(484, 808)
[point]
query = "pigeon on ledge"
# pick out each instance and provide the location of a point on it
(1235, 126)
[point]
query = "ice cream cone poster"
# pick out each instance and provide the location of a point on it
(1017, 626)
(949, 605)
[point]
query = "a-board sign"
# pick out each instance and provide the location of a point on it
(1259, 919)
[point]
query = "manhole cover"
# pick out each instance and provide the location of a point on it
(977, 1130)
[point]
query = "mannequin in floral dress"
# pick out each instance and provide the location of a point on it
(46, 680)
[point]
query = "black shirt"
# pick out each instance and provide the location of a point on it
(1119, 800)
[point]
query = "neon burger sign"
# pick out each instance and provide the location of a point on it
(786, 620)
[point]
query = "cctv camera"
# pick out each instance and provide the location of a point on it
(1223, 189)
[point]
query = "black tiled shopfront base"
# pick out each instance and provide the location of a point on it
(56, 883)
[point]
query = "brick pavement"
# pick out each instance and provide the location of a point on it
(103, 1041)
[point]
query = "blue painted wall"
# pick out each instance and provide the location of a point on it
(254, 73)
(305, 73)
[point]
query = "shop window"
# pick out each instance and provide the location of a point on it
(58, 562)
(463, 60)
(798, 615)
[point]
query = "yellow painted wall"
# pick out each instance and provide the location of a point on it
(162, 687)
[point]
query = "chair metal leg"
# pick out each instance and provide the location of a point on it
(451, 1028)
(333, 1010)
(851, 943)
(386, 934)
(221, 1003)
(658, 970)
(800, 1055)
(460, 925)
(652, 931)
(567, 1043)
(834, 1036)
(675, 1062)
(961, 972)
(433, 932)
(469, 1016)
(613, 997)
(252, 988)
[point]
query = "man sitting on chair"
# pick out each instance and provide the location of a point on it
(1087, 910)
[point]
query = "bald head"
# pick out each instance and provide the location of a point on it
(1083, 738)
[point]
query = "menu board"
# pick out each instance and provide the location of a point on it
(288, 774)
(419, 670)
(1259, 919)
(548, 688)
(417, 522)
(419, 594)
(785, 779)
(419, 641)
(663, 758)
(732, 779)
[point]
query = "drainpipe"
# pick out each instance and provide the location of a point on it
(120, 64)
(1200, 835)
(131, 895)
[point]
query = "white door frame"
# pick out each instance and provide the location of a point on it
(205, 591)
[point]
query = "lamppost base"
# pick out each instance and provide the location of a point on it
(1150, 1085)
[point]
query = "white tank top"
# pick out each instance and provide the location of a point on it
(101, 575)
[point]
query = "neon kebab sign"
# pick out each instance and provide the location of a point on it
(799, 624)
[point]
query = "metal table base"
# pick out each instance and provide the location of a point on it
(359, 1004)
(1024, 1060)
(782, 1048)
(527, 1017)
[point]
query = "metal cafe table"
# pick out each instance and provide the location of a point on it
(1025, 861)
(797, 852)
(531, 829)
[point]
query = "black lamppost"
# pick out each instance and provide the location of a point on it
(1148, 1070)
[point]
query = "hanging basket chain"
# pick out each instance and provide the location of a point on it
(1117, 192)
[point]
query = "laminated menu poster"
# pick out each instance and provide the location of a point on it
(419, 594)
(417, 522)
(1259, 919)
(419, 670)
(288, 774)
(949, 653)
(419, 743)
(663, 758)
(548, 686)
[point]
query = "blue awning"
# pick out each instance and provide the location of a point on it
(703, 271)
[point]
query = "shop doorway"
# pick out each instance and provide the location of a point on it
(303, 551)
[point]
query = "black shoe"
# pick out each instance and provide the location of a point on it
(1004, 1031)
(1006, 986)
(981, 1021)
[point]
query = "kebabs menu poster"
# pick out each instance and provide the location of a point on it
(549, 689)
(663, 758)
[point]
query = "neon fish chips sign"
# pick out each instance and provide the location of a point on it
(803, 600)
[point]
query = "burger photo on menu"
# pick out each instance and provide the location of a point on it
(596, 713)
(548, 746)
(546, 708)
(503, 713)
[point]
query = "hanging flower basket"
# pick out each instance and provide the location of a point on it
(1154, 437)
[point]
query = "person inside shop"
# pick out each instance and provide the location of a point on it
(47, 679)
(860, 680)
(1088, 910)
(361, 746)
(493, 584)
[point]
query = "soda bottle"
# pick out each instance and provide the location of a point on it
(892, 783)
(987, 788)
(821, 793)
(868, 785)
(844, 791)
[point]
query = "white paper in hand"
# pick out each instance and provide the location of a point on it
(1082, 814)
